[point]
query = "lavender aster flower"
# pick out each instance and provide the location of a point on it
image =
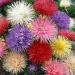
(32, 68)
(19, 38)
(61, 19)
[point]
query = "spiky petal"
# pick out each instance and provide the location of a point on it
(61, 47)
(55, 68)
(2, 48)
(65, 3)
(45, 7)
(14, 63)
(19, 38)
(67, 34)
(72, 23)
(39, 52)
(70, 63)
(3, 25)
(61, 19)
(44, 29)
(32, 68)
(20, 12)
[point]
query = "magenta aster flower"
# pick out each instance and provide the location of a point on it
(19, 38)
(3, 2)
(44, 29)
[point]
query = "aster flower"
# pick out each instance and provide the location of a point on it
(3, 2)
(30, 25)
(65, 3)
(14, 63)
(72, 23)
(3, 25)
(19, 38)
(20, 12)
(55, 68)
(2, 48)
(67, 34)
(32, 68)
(39, 52)
(44, 29)
(70, 63)
(61, 19)
(61, 47)
(45, 7)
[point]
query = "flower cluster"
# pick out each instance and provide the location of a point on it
(37, 38)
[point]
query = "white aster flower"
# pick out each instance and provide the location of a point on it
(72, 23)
(20, 12)
(65, 3)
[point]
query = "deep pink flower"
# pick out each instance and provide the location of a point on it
(55, 68)
(3, 2)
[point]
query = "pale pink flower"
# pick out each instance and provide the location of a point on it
(2, 48)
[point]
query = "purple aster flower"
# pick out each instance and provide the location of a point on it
(61, 19)
(19, 38)
(32, 68)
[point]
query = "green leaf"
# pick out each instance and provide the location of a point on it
(30, 1)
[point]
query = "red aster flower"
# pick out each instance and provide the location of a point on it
(3, 25)
(45, 7)
(39, 52)
(68, 34)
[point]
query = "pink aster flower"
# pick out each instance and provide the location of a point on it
(55, 68)
(44, 29)
(2, 48)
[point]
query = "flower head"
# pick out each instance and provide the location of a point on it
(55, 68)
(72, 23)
(2, 48)
(39, 52)
(3, 2)
(19, 38)
(44, 29)
(20, 12)
(14, 63)
(67, 34)
(61, 47)
(45, 7)
(32, 68)
(61, 19)
(65, 3)
(3, 25)
(70, 63)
